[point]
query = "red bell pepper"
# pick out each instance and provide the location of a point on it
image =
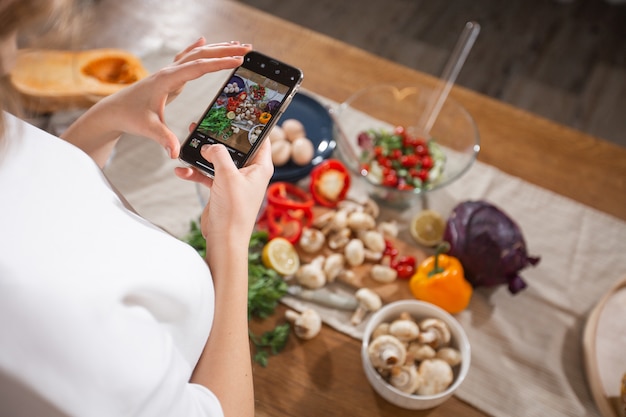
(330, 182)
(288, 196)
(286, 223)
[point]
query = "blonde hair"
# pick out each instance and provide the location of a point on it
(16, 16)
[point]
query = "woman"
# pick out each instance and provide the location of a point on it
(102, 313)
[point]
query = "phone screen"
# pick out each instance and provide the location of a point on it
(248, 105)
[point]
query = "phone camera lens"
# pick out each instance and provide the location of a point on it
(276, 71)
(262, 65)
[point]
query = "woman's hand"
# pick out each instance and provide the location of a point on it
(139, 108)
(236, 194)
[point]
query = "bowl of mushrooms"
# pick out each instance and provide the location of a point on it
(415, 355)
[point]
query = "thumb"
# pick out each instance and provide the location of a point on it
(219, 156)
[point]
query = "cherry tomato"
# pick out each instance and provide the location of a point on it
(427, 162)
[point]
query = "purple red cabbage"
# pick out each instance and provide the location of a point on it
(489, 244)
(272, 106)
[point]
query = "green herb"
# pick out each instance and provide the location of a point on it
(270, 342)
(217, 122)
(265, 289)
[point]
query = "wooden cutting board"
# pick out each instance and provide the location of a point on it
(53, 80)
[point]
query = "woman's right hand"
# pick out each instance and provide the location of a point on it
(236, 193)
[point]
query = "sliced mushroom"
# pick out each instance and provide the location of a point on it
(435, 332)
(405, 378)
(386, 352)
(307, 324)
(436, 376)
(404, 328)
(368, 301)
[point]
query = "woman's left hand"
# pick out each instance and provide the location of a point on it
(139, 108)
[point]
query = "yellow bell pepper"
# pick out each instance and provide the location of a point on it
(440, 280)
(265, 117)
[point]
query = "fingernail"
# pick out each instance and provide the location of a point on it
(234, 42)
(247, 45)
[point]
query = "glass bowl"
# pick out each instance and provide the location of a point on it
(453, 138)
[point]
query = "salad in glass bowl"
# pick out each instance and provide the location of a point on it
(380, 138)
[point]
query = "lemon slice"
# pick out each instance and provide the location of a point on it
(280, 255)
(427, 227)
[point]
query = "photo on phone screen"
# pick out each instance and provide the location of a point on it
(244, 111)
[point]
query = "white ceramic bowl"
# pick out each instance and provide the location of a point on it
(418, 310)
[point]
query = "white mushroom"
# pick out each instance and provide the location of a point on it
(373, 240)
(381, 329)
(350, 206)
(355, 252)
(386, 352)
(436, 376)
(371, 207)
(405, 378)
(372, 256)
(338, 222)
(450, 355)
(306, 324)
(388, 229)
(383, 273)
(404, 328)
(323, 219)
(312, 275)
(368, 301)
(333, 265)
(347, 276)
(416, 352)
(339, 239)
(311, 240)
(435, 332)
(361, 221)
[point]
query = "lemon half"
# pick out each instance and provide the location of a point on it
(427, 227)
(280, 255)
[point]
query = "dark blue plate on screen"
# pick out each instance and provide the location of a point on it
(319, 129)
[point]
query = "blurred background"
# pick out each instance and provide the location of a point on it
(564, 60)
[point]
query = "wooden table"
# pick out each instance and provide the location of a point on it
(323, 376)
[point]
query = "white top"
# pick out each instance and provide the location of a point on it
(101, 312)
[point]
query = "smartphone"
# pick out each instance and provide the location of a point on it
(244, 111)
